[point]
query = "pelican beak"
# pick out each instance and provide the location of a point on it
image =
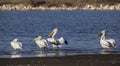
(35, 39)
(66, 42)
(51, 34)
(100, 34)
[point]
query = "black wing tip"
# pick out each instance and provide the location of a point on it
(66, 42)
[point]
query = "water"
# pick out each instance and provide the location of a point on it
(79, 28)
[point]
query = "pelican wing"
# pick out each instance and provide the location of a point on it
(20, 44)
(66, 42)
(105, 44)
(112, 42)
(52, 40)
(45, 42)
(16, 45)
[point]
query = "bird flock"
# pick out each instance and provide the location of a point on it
(57, 43)
(40, 42)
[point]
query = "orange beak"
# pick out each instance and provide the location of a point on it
(51, 34)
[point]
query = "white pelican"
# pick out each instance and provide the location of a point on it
(56, 42)
(106, 43)
(15, 44)
(42, 43)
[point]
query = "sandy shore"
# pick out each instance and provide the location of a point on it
(61, 7)
(78, 60)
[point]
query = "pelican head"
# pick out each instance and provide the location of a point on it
(102, 33)
(16, 39)
(38, 38)
(53, 33)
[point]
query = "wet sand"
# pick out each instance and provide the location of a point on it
(78, 60)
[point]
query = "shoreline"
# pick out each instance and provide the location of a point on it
(22, 7)
(76, 60)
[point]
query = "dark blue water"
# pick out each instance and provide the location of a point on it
(79, 28)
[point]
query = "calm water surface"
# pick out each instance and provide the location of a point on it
(79, 28)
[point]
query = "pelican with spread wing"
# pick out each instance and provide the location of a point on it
(56, 42)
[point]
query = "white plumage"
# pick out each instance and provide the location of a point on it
(41, 43)
(106, 43)
(56, 42)
(15, 44)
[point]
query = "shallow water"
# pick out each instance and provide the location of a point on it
(79, 28)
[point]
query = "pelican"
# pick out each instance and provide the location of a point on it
(42, 43)
(106, 43)
(56, 43)
(15, 44)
